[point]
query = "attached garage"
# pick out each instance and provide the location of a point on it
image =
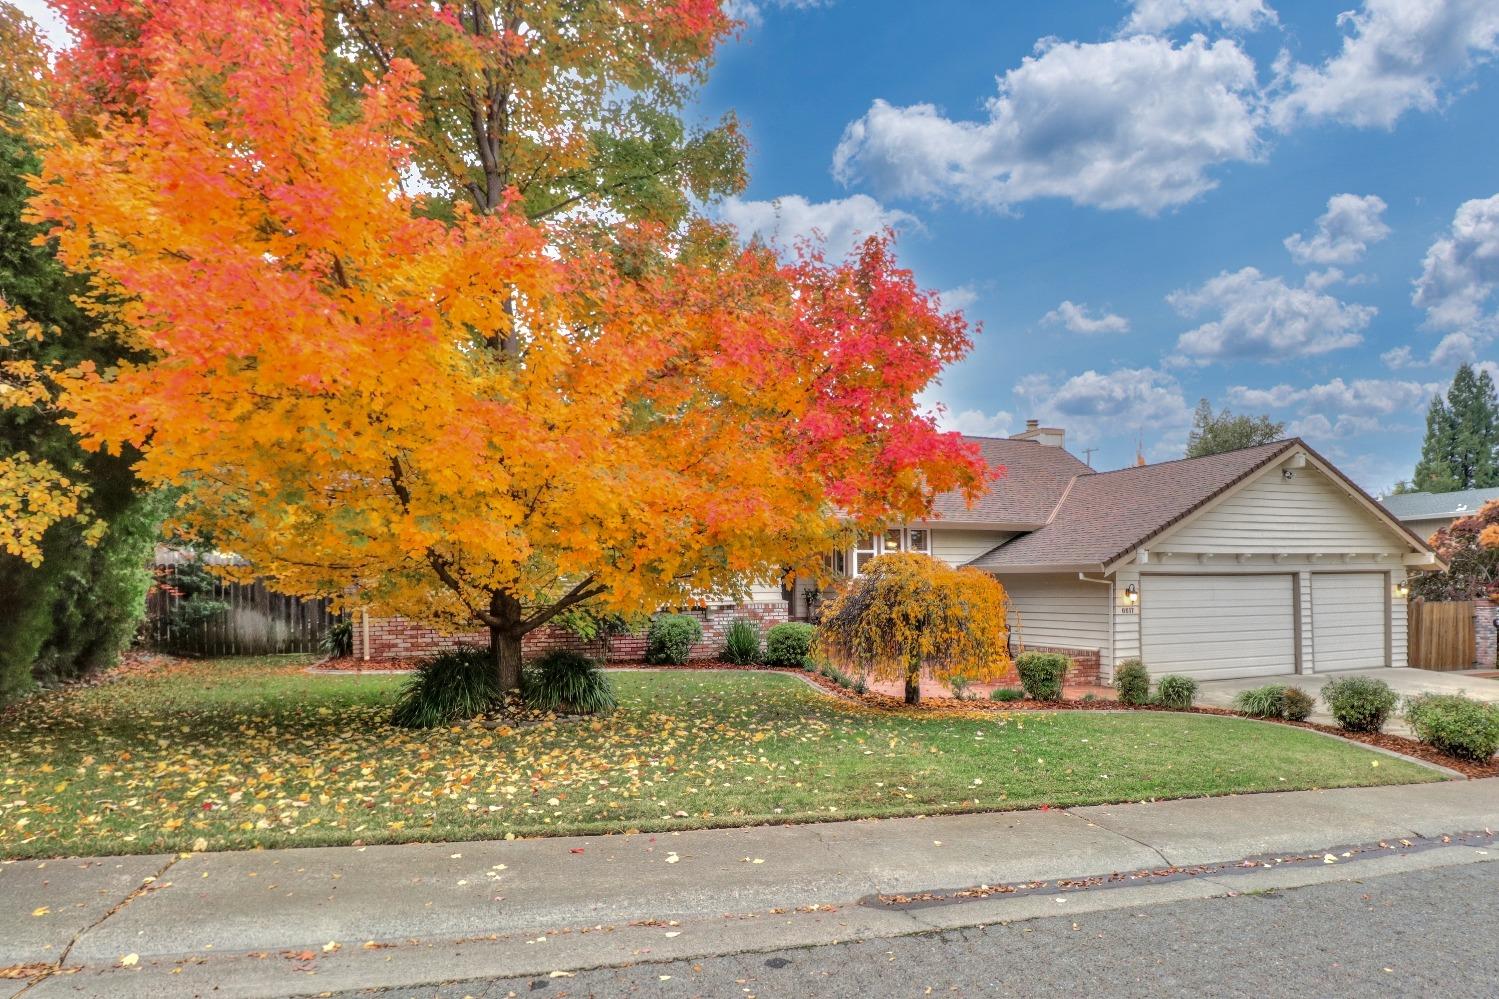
(1217, 627)
(1348, 620)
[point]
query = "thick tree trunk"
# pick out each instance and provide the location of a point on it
(505, 640)
(913, 683)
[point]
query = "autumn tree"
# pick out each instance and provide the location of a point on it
(908, 614)
(428, 319)
(75, 534)
(1470, 548)
(1215, 433)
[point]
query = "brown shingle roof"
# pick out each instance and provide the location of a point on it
(1105, 514)
(1036, 476)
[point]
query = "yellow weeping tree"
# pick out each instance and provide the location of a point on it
(909, 614)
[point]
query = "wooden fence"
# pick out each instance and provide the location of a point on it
(1439, 636)
(189, 612)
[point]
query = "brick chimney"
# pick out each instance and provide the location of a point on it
(1050, 436)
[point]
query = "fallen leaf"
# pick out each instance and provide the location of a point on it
(130, 960)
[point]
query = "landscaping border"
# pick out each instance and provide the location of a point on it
(1392, 745)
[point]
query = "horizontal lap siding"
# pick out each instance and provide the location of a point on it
(1057, 610)
(1348, 620)
(1209, 626)
(1305, 514)
(959, 546)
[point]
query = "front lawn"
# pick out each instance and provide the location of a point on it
(244, 753)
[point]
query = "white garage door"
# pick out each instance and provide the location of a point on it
(1348, 620)
(1217, 627)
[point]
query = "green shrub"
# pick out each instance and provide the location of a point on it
(961, 686)
(1132, 680)
(789, 644)
(1297, 704)
(1041, 674)
(1455, 724)
(741, 643)
(1359, 703)
(670, 638)
(1176, 692)
(338, 640)
(450, 686)
(1268, 701)
(1006, 694)
(569, 682)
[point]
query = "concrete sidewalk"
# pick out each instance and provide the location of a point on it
(303, 921)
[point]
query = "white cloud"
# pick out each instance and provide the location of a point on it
(1318, 427)
(1344, 232)
(978, 423)
(1262, 318)
(752, 12)
(1454, 349)
(1134, 123)
(963, 297)
(1461, 271)
(1155, 16)
(1362, 397)
(1395, 57)
(841, 222)
(53, 28)
(1077, 320)
(1095, 404)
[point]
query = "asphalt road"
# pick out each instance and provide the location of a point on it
(1422, 934)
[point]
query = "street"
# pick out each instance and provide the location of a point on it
(1424, 933)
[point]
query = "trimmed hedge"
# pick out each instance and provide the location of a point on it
(789, 644)
(1298, 704)
(1041, 674)
(1132, 680)
(1455, 724)
(670, 638)
(1360, 703)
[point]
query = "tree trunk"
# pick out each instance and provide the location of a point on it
(913, 682)
(505, 640)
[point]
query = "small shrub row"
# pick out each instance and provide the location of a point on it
(1276, 700)
(1462, 726)
(1006, 694)
(842, 679)
(1132, 681)
(461, 684)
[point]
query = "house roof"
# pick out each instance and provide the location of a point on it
(1105, 514)
(1036, 476)
(1432, 506)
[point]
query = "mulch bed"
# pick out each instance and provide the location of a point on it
(951, 705)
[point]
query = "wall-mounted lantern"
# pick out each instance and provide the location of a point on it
(1131, 594)
(1402, 589)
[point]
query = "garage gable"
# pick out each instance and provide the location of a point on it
(1304, 512)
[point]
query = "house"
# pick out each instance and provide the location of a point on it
(1426, 513)
(1257, 562)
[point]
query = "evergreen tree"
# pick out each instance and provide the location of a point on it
(1461, 448)
(1215, 433)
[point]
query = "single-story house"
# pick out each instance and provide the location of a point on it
(1256, 562)
(1426, 513)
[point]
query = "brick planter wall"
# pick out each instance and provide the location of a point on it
(1485, 648)
(1086, 664)
(399, 638)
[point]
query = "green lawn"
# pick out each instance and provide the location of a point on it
(246, 753)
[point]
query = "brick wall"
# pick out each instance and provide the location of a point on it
(1085, 664)
(1484, 644)
(399, 638)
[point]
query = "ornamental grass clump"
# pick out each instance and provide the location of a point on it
(568, 682)
(1176, 692)
(1359, 703)
(1462, 726)
(741, 643)
(451, 686)
(1262, 702)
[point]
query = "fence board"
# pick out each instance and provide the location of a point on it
(1440, 635)
(254, 620)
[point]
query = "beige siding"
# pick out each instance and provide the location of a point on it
(1424, 529)
(1059, 610)
(1398, 610)
(1308, 513)
(1219, 626)
(958, 545)
(1348, 620)
(1126, 620)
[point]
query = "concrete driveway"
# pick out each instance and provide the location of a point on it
(1220, 693)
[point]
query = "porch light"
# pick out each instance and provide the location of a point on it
(1131, 594)
(1402, 589)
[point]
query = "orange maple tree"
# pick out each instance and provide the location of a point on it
(374, 376)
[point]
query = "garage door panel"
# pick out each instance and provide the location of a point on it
(1348, 620)
(1218, 626)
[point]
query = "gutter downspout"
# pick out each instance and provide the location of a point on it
(1106, 655)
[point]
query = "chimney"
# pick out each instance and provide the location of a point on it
(1050, 436)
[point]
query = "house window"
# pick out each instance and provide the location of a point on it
(897, 539)
(865, 549)
(918, 540)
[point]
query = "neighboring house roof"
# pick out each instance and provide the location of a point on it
(1105, 514)
(1036, 476)
(1435, 506)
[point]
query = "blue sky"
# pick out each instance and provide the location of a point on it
(1108, 187)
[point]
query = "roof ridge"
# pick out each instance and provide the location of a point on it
(1199, 457)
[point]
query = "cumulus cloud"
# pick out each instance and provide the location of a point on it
(1263, 318)
(1094, 404)
(1362, 397)
(1396, 56)
(1076, 319)
(1461, 271)
(1155, 16)
(753, 11)
(1343, 233)
(1133, 123)
(963, 297)
(977, 423)
(841, 222)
